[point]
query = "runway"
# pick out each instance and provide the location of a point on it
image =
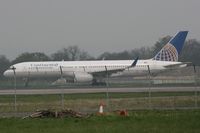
(96, 90)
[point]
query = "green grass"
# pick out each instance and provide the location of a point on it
(89, 102)
(52, 97)
(187, 121)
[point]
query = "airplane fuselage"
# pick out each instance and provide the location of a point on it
(87, 71)
(68, 68)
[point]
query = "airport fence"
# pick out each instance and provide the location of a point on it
(183, 92)
(89, 103)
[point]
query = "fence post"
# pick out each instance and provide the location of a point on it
(107, 93)
(149, 89)
(62, 91)
(15, 90)
(195, 85)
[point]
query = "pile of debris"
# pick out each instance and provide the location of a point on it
(55, 114)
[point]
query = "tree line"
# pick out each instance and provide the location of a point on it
(190, 53)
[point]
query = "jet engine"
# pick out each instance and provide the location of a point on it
(82, 77)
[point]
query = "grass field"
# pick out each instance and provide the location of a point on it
(185, 121)
(90, 102)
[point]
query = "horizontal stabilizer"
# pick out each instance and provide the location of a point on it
(181, 64)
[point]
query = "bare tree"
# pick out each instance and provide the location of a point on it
(60, 55)
(190, 52)
(37, 56)
(74, 52)
(71, 53)
(4, 64)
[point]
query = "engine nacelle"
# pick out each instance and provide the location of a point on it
(82, 77)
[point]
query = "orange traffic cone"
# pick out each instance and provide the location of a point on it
(101, 108)
(124, 113)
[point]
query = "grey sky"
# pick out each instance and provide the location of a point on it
(94, 25)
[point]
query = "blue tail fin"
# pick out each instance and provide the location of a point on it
(172, 49)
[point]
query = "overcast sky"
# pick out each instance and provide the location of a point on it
(95, 26)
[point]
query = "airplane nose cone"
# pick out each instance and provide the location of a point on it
(7, 73)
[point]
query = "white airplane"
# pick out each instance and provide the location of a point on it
(92, 71)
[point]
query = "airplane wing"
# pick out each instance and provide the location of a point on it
(109, 72)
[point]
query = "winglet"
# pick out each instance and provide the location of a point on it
(135, 62)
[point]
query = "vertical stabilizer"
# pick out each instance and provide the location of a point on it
(172, 50)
